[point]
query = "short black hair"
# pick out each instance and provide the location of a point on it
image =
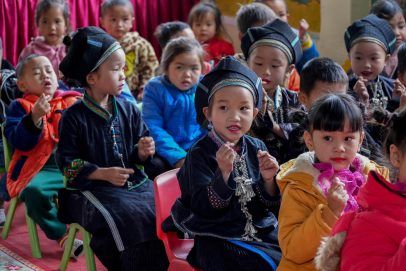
(386, 9)
(321, 69)
(253, 14)
(200, 10)
(22, 63)
(107, 4)
(397, 132)
(166, 31)
(331, 112)
(402, 58)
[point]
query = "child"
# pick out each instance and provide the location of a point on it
(390, 11)
(32, 130)
(227, 181)
(205, 20)
(319, 185)
(374, 238)
(271, 52)
(308, 46)
(369, 41)
(52, 19)
(170, 30)
(168, 102)
(117, 18)
(107, 191)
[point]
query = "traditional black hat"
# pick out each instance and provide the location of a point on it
(278, 34)
(373, 29)
(228, 72)
(88, 49)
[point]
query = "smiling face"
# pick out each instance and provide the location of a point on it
(271, 65)
(109, 78)
(38, 77)
(52, 25)
(184, 70)
(338, 148)
(231, 112)
(205, 28)
(367, 59)
(117, 21)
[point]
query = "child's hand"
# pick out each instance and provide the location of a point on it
(398, 88)
(117, 175)
(337, 197)
(402, 104)
(146, 147)
(360, 88)
(268, 166)
(303, 27)
(225, 159)
(40, 108)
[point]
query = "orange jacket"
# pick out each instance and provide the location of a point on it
(25, 165)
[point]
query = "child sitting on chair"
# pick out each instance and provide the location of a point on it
(32, 130)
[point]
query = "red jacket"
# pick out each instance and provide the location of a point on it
(26, 164)
(216, 49)
(375, 237)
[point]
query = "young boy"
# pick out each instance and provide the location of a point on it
(117, 18)
(308, 46)
(32, 130)
(258, 14)
(271, 52)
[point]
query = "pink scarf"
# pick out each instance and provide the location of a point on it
(352, 180)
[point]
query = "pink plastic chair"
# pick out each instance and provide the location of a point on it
(166, 191)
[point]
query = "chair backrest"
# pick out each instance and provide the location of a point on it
(166, 191)
(7, 148)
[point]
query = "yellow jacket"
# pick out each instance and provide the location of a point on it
(304, 217)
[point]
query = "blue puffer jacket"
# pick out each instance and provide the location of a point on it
(171, 118)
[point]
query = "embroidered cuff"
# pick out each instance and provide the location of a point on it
(75, 168)
(215, 200)
(265, 198)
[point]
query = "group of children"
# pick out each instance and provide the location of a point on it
(270, 178)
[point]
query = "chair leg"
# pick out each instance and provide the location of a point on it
(90, 262)
(33, 235)
(68, 247)
(9, 218)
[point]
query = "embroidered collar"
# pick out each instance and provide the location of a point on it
(93, 106)
(352, 178)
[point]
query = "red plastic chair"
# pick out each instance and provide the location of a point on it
(166, 191)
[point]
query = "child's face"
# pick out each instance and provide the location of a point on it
(398, 160)
(338, 148)
(205, 28)
(231, 112)
(319, 90)
(271, 65)
(38, 77)
(398, 25)
(109, 78)
(184, 70)
(279, 7)
(52, 26)
(367, 59)
(117, 21)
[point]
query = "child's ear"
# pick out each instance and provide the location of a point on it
(101, 22)
(206, 113)
(387, 57)
(289, 71)
(361, 139)
(308, 140)
(303, 99)
(394, 156)
(255, 112)
(21, 85)
(91, 78)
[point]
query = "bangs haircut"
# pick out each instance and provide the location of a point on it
(107, 4)
(199, 11)
(331, 112)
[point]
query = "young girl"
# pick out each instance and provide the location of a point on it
(168, 104)
(271, 52)
(117, 17)
(165, 32)
(205, 20)
(374, 238)
(227, 181)
(52, 19)
(390, 11)
(319, 185)
(107, 191)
